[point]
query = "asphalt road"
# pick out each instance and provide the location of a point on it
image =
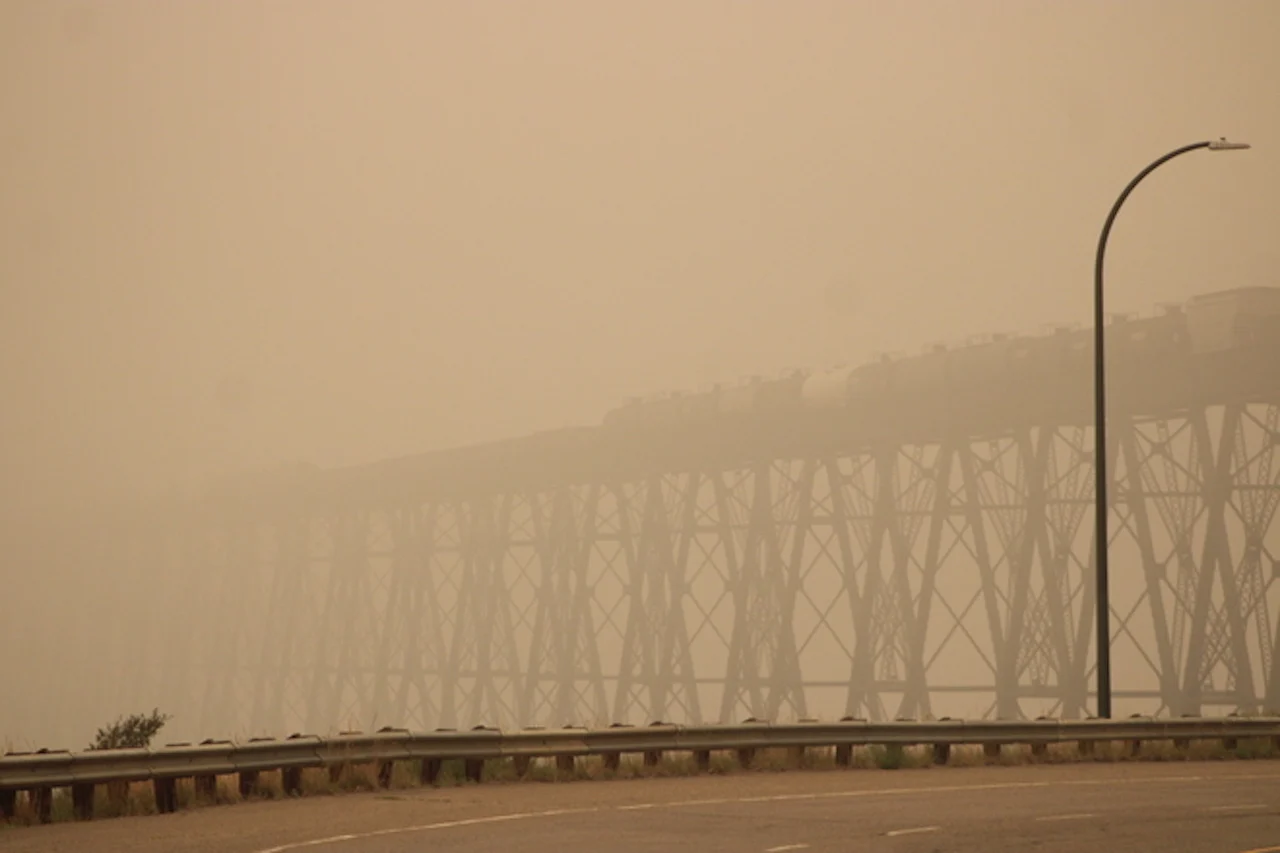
(1183, 808)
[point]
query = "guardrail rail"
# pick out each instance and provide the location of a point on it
(38, 774)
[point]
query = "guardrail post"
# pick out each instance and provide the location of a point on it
(613, 760)
(8, 803)
(991, 751)
(941, 753)
(522, 764)
(166, 795)
(248, 783)
(1039, 749)
(247, 780)
(1084, 747)
(386, 768)
(206, 787)
(42, 803)
(653, 758)
(474, 769)
(1230, 744)
(745, 758)
(336, 770)
(291, 780)
(430, 771)
(82, 801)
(118, 796)
(702, 758)
(845, 752)
(564, 763)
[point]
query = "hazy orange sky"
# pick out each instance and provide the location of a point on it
(238, 233)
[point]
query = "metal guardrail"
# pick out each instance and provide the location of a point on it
(40, 773)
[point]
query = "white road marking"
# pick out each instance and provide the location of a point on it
(1242, 807)
(913, 831)
(876, 792)
(555, 812)
(448, 824)
(787, 847)
(1052, 817)
(1234, 776)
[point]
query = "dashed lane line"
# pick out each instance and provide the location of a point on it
(915, 830)
(1056, 817)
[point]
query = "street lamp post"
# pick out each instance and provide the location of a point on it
(1100, 423)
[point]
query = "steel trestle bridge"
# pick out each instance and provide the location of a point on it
(906, 539)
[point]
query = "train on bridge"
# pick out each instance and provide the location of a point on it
(984, 374)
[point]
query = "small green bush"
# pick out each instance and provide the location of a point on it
(135, 731)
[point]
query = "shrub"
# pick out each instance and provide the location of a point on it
(133, 732)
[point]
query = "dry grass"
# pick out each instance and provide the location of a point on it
(139, 799)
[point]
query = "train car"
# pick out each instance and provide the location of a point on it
(920, 382)
(1229, 319)
(1049, 374)
(699, 407)
(871, 384)
(670, 410)
(1139, 341)
(762, 395)
(828, 389)
(625, 415)
(664, 412)
(780, 395)
(977, 382)
(738, 399)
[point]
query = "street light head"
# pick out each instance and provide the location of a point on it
(1225, 145)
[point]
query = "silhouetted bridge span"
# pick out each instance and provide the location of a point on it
(911, 537)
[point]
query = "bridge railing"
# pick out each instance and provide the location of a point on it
(39, 773)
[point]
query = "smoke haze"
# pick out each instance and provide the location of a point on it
(237, 235)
